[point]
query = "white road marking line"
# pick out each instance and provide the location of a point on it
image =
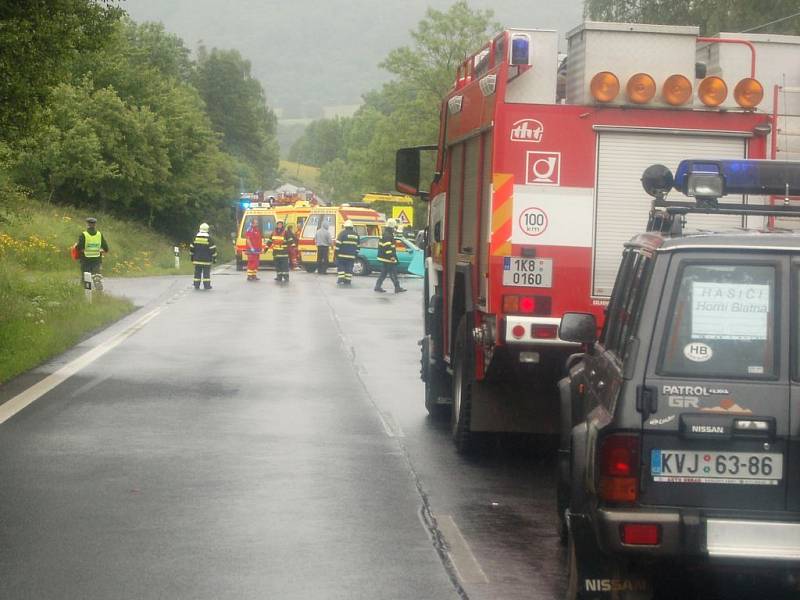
(464, 562)
(36, 391)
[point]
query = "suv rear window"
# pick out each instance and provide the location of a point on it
(722, 322)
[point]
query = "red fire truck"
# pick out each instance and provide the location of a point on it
(537, 186)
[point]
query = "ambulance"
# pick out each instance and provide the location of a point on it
(366, 221)
(264, 216)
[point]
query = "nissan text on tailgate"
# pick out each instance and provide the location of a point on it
(680, 441)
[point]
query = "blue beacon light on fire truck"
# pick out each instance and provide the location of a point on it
(520, 49)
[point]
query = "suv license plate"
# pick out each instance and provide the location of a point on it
(687, 466)
(527, 272)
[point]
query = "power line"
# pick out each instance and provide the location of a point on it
(797, 14)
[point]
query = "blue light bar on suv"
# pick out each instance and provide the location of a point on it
(760, 177)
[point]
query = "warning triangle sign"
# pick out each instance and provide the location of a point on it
(404, 215)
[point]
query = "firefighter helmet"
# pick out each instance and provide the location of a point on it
(204, 227)
(391, 223)
(348, 223)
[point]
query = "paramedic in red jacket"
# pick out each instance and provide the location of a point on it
(255, 245)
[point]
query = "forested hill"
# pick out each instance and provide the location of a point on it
(103, 113)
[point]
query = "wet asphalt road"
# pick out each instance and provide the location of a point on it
(258, 441)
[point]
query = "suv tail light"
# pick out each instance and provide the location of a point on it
(528, 305)
(619, 468)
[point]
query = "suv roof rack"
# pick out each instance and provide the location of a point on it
(708, 180)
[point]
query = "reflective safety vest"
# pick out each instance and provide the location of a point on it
(347, 244)
(92, 244)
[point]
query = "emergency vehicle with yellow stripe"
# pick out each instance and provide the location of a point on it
(366, 222)
(261, 214)
(536, 186)
(265, 216)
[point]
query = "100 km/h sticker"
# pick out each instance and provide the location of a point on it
(527, 272)
(533, 221)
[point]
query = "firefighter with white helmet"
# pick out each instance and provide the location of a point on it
(387, 256)
(346, 251)
(203, 253)
(280, 252)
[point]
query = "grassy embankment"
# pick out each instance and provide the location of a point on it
(44, 310)
(300, 174)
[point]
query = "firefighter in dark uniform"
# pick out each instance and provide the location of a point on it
(203, 253)
(346, 251)
(91, 246)
(280, 252)
(387, 256)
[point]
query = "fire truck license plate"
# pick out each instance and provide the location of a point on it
(527, 272)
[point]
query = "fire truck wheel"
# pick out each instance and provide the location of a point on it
(463, 380)
(437, 385)
(310, 268)
(360, 267)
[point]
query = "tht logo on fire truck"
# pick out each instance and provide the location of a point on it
(543, 168)
(527, 130)
(533, 221)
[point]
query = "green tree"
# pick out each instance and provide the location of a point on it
(405, 111)
(131, 135)
(237, 107)
(441, 42)
(39, 41)
(321, 142)
(712, 16)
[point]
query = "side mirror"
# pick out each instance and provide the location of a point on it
(406, 171)
(578, 327)
(408, 168)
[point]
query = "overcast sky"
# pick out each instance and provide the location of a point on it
(311, 53)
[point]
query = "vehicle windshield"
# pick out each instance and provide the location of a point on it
(265, 222)
(722, 322)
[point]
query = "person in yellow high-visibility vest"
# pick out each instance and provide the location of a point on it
(91, 247)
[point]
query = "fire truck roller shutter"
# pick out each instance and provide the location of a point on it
(622, 207)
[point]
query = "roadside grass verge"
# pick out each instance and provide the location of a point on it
(44, 314)
(43, 311)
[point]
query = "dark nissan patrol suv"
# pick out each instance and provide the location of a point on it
(680, 443)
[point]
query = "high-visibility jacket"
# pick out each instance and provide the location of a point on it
(347, 243)
(202, 249)
(387, 252)
(279, 244)
(90, 245)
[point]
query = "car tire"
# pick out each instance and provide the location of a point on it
(360, 267)
(463, 380)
